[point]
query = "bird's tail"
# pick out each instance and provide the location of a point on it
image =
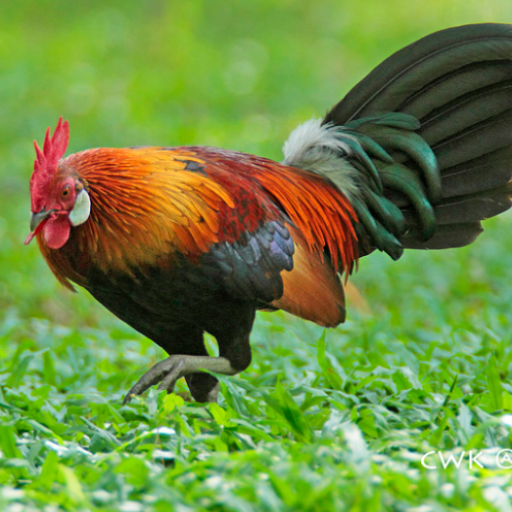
(423, 145)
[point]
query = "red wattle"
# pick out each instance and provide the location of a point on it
(56, 231)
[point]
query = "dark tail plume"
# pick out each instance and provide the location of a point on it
(450, 170)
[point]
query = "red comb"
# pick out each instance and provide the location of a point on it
(53, 149)
(46, 162)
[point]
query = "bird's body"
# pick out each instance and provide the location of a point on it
(197, 242)
(181, 241)
(198, 247)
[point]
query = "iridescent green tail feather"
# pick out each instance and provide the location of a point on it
(430, 134)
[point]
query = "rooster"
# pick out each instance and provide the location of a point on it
(182, 241)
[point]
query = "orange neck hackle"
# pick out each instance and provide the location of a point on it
(141, 212)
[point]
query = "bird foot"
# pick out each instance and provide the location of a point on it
(168, 371)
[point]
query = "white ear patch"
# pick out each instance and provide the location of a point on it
(82, 209)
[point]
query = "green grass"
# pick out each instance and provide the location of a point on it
(322, 420)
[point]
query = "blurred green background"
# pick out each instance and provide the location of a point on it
(424, 365)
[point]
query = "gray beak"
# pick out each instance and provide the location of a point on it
(37, 218)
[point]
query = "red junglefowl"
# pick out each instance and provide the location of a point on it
(179, 241)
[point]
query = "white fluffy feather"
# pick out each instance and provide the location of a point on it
(319, 148)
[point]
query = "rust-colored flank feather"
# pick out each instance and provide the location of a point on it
(321, 213)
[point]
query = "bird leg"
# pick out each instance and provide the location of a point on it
(168, 371)
(203, 387)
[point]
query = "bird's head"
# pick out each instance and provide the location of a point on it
(59, 199)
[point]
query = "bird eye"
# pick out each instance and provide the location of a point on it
(65, 192)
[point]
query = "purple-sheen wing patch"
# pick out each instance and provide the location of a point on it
(251, 267)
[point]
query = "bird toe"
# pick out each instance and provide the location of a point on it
(167, 372)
